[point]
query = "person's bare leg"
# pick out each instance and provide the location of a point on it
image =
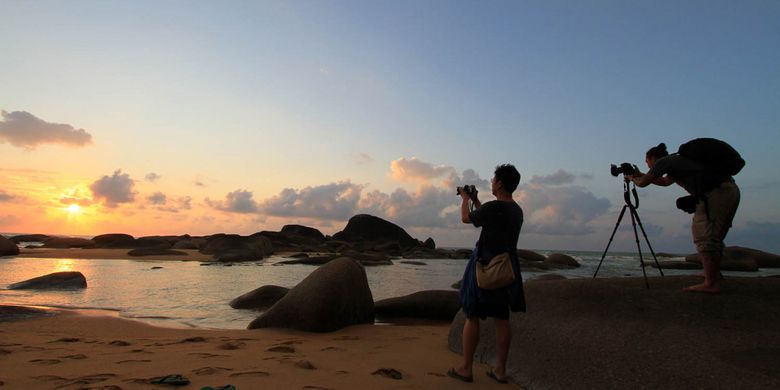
(711, 263)
(470, 340)
(503, 339)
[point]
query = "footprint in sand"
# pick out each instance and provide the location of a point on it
(389, 373)
(281, 349)
(76, 357)
(335, 349)
(290, 342)
(231, 345)
(119, 343)
(316, 388)
(210, 370)
(66, 340)
(46, 361)
(305, 364)
(4, 351)
(206, 355)
(196, 339)
(250, 373)
(435, 374)
(133, 361)
(350, 338)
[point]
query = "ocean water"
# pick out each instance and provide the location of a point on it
(187, 294)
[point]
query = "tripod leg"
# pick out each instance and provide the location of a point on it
(636, 214)
(638, 247)
(622, 212)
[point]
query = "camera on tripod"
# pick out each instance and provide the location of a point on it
(468, 189)
(624, 168)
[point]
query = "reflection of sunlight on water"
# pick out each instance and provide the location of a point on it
(63, 265)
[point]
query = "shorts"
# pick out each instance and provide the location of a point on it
(722, 203)
(493, 303)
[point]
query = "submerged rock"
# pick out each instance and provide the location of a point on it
(68, 242)
(335, 295)
(8, 247)
(260, 298)
(560, 259)
(54, 281)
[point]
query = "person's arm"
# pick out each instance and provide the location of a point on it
(464, 206)
(645, 179)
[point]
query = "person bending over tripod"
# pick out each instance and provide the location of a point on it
(714, 200)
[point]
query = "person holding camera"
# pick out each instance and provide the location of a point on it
(500, 221)
(713, 200)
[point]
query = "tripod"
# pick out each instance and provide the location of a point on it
(634, 221)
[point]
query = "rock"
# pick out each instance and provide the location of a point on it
(68, 242)
(335, 295)
(30, 238)
(15, 313)
(8, 247)
(461, 254)
(314, 260)
(371, 229)
(299, 255)
(413, 262)
(527, 255)
(232, 247)
(260, 298)
(368, 259)
(299, 231)
(185, 244)
(431, 304)
(664, 254)
(457, 284)
(429, 243)
(620, 324)
(55, 281)
(671, 264)
(392, 248)
(561, 259)
(155, 252)
(157, 242)
(114, 240)
(762, 259)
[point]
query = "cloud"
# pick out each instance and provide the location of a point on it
(5, 197)
(363, 159)
(198, 184)
(415, 170)
(238, 201)
(330, 201)
(560, 177)
(429, 206)
(158, 198)
(152, 177)
(69, 200)
(24, 130)
(114, 189)
(566, 210)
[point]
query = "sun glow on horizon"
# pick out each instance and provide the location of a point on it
(73, 209)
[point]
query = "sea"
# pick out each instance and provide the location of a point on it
(191, 294)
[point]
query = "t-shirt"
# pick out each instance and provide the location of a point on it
(500, 222)
(687, 173)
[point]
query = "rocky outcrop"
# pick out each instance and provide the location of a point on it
(439, 305)
(158, 242)
(303, 232)
(232, 247)
(8, 247)
(260, 298)
(55, 281)
(68, 242)
(429, 243)
(30, 238)
(371, 230)
(155, 252)
(185, 244)
(114, 240)
(737, 258)
(335, 295)
(560, 259)
(618, 326)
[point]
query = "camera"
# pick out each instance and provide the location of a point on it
(624, 168)
(468, 189)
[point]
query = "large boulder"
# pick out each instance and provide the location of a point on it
(429, 243)
(527, 255)
(762, 259)
(30, 238)
(431, 304)
(185, 244)
(8, 247)
(309, 234)
(232, 247)
(114, 240)
(562, 260)
(335, 295)
(68, 242)
(155, 252)
(55, 281)
(157, 242)
(260, 298)
(370, 229)
(588, 334)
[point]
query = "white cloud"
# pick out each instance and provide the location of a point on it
(414, 170)
(152, 177)
(330, 201)
(24, 130)
(566, 210)
(238, 201)
(558, 178)
(114, 189)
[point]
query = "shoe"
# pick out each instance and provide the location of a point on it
(453, 373)
(493, 376)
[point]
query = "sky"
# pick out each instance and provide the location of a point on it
(200, 117)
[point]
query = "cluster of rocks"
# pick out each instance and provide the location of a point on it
(735, 258)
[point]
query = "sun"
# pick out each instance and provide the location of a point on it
(74, 209)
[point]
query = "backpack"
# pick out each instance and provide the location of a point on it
(717, 156)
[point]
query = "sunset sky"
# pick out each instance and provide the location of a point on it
(198, 117)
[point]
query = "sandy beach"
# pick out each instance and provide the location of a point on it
(77, 350)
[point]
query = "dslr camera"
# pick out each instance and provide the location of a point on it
(469, 189)
(624, 168)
